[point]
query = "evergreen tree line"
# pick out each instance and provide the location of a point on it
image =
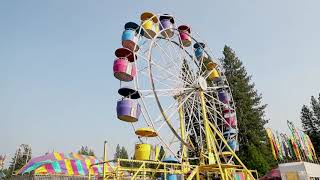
(121, 153)
(310, 119)
(85, 150)
(254, 149)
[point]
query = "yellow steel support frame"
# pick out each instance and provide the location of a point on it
(145, 170)
(230, 149)
(143, 165)
(183, 133)
(207, 128)
(208, 132)
(194, 172)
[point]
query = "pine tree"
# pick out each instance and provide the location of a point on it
(124, 153)
(254, 149)
(117, 154)
(121, 153)
(86, 151)
(310, 118)
(315, 105)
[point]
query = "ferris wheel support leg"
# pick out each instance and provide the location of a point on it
(213, 155)
(183, 133)
(231, 150)
(206, 127)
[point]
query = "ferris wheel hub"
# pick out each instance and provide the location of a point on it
(202, 83)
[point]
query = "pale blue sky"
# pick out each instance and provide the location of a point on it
(57, 90)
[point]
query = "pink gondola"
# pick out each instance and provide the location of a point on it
(124, 70)
(230, 118)
(184, 32)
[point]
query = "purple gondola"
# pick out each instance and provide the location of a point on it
(223, 96)
(128, 110)
(166, 25)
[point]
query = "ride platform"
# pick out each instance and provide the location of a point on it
(138, 169)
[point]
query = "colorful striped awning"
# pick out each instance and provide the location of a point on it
(62, 163)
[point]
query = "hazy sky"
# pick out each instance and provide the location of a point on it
(57, 91)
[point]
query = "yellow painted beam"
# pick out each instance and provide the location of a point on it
(183, 132)
(206, 128)
(230, 149)
(212, 150)
(140, 168)
(193, 173)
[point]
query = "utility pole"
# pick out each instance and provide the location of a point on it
(105, 158)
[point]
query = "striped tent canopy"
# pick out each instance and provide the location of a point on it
(63, 164)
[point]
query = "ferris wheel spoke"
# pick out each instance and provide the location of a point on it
(215, 88)
(209, 110)
(165, 92)
(175, 112)
(223, 121)
(206, 73)
(159, 137)
(212, 107)
(143, 69)
(179, 45)
(215, 99)
(214, 118)
(145, 114)
(169, 57)
(159, 118)
(173, 139)
(218, 101)
(160, 127)
(177, 80)
(181, 57)
(189, 107)
(165, 69)
(182, 49)
(146, 74)
(169, 109)
(202, 69)
(197, 117)
(162, 80)
(180, 105)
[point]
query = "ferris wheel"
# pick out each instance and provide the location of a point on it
(173, 92)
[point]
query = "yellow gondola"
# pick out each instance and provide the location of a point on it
(149, 23)
(146, 132)
(142, 152)
(213, 74)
